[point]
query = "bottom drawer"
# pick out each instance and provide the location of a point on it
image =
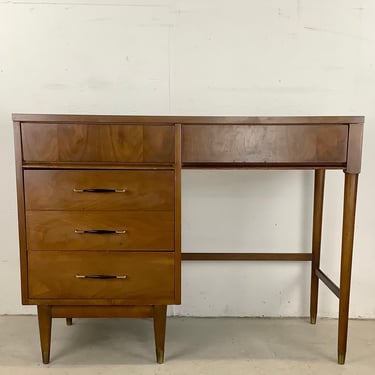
(59, 274)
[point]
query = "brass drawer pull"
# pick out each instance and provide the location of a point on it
(101, 276)
(99, 231)
(99, 190)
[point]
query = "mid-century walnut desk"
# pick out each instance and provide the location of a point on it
(99, 202)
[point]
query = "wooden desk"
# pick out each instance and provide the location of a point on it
(90, 187)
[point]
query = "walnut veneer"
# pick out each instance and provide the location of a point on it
(99, 203)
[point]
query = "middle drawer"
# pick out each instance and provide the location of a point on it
(100, 230)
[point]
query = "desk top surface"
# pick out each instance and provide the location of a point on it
(269, 120)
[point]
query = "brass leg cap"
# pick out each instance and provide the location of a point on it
(341, 358)
(160, 356)
(45, 357)
(313, 319)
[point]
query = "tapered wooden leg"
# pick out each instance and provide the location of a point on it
(350, 197)
(45, 323)
(160, 318)
(316, 241)
(69, 321)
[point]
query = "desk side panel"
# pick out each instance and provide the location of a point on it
(354, 148)
(21, 210)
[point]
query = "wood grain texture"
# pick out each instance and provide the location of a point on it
(100, 143)
(158, 144)
(145, 230)
(264, 144)
(40, 142)
(150, 276)
(54, 190)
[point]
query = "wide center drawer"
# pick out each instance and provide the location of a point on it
(99, 190)
(262, 144)
(142, 276)
(100, 230)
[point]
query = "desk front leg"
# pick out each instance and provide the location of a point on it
(160, 316)
(45, 324)
(350, 198)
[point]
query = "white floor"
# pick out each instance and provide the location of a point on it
(193, 346)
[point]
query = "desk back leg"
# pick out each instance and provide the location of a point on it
(350, 199)
(316, 241)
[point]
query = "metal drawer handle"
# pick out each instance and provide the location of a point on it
(101, 276)
(99, 231)
(99, 190)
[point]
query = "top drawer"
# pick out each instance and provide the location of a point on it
(301, 144)
(97, 143)
(99, 190)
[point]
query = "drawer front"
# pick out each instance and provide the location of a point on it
(97, 143)
(264, 144)
(140, 230)
(136, 190)
(54, 275)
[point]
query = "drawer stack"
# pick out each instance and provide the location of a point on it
(97, 219)
(113, 223)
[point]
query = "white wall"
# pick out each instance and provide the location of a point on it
(203, 57)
